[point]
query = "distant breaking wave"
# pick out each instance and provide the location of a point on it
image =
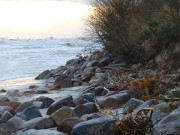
(29, 57)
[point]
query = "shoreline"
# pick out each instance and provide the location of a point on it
(18, 83)
(88, 91)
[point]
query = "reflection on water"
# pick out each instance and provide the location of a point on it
(20, 83)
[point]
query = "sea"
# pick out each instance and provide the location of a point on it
(26, 58)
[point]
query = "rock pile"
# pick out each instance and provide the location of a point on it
(108, 85)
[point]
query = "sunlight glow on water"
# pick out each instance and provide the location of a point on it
(20, 83)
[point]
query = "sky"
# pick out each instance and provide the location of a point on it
(26, 19)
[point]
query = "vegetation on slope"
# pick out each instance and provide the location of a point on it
(136, 31)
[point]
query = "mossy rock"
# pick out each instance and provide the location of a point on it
(55, 87)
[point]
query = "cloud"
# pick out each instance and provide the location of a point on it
(78, 1)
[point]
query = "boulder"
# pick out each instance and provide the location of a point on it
(92, 64)
(98, 126)
(43, 75)
(27, 93)
(14, 104)
(67, 125)
(147, 104)
(40, 99)
(99, 75)
(8, 127)
(63, 82)
(41, 132)
(33, 86)
(86, 77)
(2, 90)
(131, 105)
(24, 106)
(30, 113)
(79, 100)
(88, 98)
(109, 103)
(12, 94)
(133, 93)
(169, 125)
(41, 92)
(89, 90)
(38, 123)
(91, 116)
(62, 114)
(4, 100)
(104, 61)
(5, 116)
(160, 111)
(98, 90)
(37, 104)
(81, 110)
(89, 69)
(115, 100)
(91, 106)
(104, 93)
(17, 121)
(95, 81)
(123, 97)
(98, 70)
(64, 101)
(7, 108)
(46, 103)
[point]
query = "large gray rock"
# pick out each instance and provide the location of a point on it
(67, 125)
(63, 82)
(104, 61)
(91, 106)
(46, 103)
(169, 125)
(30, 113)
(43, 75)
(8, 127)
(6, 116)
(123, 97)
(17, 121)
(24, 106)
(98, 90)
(41, 132)
(89, 69)
(114, 100)
(91, 116)
(7, 108)
(62, 114)
(41, 92)
(131, 105)
(92, 64)
(98, 126)
(38, 123)
(147, 104)
(160, 111)
(89, 90)
(81, 110)
(99, 75)
(64, 101)
(109, 102)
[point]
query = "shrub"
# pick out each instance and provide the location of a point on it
(123, 25)
(111, 22)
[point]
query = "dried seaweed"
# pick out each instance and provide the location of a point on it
(130, 124)
(138, 124)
